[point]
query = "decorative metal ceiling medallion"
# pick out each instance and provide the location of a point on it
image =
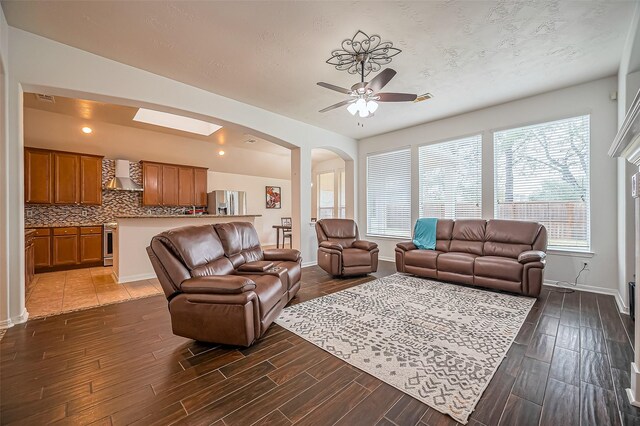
(362, 54)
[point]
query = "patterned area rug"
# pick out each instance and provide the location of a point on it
(439, 343)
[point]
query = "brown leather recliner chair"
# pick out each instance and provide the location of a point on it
(341, 252)
(221, 286)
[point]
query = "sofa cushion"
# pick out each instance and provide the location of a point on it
(503, 268)
(355, 257)
(294, 271)
(269, 290)
(468, 236)
(340, 231)
(509, 238)
(421, 258)
(459, 263)
(240, 242)
(444, 230)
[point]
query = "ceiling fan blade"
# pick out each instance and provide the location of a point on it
(338, 105)
(334, 87)
(396, 97)
(381, 80)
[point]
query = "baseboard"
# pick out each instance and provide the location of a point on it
(6, 324)
(128, 279)
(307, 264)
(387, 259)
(595, 289)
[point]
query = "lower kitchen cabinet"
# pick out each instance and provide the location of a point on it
(67, 248)
(29, 259)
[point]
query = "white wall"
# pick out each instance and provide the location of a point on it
(254, 186)
(592, 98)
(5, 317)
(43, 129)
(37, 64)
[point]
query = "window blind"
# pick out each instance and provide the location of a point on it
(389, 194)
(450, 179)
(542, 174)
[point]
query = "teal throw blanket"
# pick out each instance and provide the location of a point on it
(424, 233)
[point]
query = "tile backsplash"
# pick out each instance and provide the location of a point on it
(114, 203)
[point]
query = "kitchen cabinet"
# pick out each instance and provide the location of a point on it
(38, 169)
(57, 177)
(186, 194)
(29, 258)
(65, 178)
(65, 246)
(173, 185)
(68, 247)
(152, 184)
(169, 185)
(42, 248)
(90, 180)
(90, 244)
(200, 186)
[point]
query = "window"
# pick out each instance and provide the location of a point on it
(542, 174)
(450, 178)
(325, 195)
(389, 194)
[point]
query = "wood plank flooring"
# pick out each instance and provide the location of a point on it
(120, 364)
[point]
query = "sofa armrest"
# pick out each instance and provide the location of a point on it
(532, 256)
(406, 246)
(331, 245)
(287, 255)
(256, 266)
(217, 284)
(364, 245)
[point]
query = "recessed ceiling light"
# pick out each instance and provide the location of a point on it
(87, 130)
(177, 122)
(221, 152)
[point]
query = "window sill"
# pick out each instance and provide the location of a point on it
(388, 237)
(572, 253)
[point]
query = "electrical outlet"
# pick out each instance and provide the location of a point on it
(84, 213)
(586, 265)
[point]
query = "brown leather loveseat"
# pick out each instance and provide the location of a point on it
(500, 254)
(221, 286)
(340, 250)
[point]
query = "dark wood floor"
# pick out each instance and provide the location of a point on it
(120, 364)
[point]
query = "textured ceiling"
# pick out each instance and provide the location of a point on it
(270, 54)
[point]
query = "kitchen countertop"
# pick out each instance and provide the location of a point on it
(60, 225)
(186, 216)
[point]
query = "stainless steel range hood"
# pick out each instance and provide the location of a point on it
(122, 180)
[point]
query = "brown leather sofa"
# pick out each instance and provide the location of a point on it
(499, 254)
(221, 286)
(341, 252)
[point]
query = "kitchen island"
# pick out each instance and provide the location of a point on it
(134, 233)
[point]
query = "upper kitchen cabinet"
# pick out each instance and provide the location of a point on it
(173, 185)
(152, 184)
(66, 170)
(90, 180)
(55, 177)
(38, 171)
(200, 187)
(170, 194)
(186, 193)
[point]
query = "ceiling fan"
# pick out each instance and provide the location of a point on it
(361, 55)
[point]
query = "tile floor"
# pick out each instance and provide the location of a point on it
(56, 292)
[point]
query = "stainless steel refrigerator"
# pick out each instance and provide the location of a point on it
(222, 202)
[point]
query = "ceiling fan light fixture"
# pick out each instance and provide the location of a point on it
(372, 106)
(363, 112)
(352, 108)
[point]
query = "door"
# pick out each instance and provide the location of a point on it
(169, 185)
(90, 248)
(42, 251)
(200, 187)
(65, 246)
(185, 186)
(152, 184)
(37, 177)
(66, 174)
(90, 180)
